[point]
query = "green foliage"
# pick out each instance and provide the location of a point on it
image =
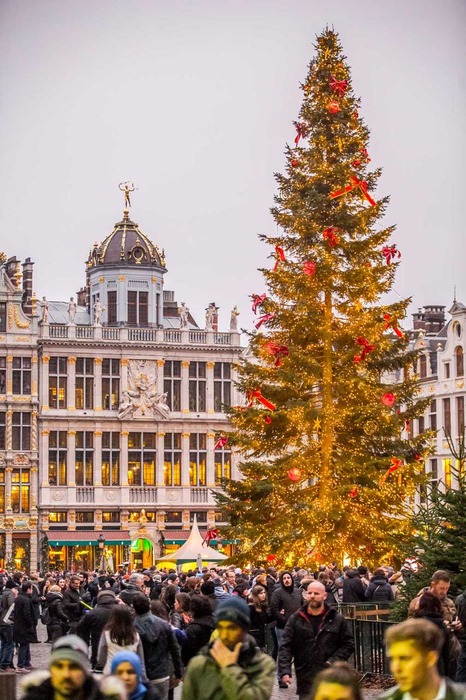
(323, 303)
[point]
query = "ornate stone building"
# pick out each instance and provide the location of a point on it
(110, 409)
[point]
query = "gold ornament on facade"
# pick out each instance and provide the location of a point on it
(10, 315)
(45, 359)
(20, 324)
(71, 360)
(98, 360)
(185, 363)
(34, 300)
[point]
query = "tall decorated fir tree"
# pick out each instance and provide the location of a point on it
(326, 456)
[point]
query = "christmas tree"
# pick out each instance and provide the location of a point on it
(327, 456)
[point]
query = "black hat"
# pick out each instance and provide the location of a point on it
(235, 610)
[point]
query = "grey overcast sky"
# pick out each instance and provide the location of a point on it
(194, 102)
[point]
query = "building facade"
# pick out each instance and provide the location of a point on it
(111, 407)
(441, 374)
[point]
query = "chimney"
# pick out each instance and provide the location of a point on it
(81, 297)
(28, 266)
(430, 319)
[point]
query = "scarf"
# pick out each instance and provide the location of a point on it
(135, 661)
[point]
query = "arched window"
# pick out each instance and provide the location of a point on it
(459, 361)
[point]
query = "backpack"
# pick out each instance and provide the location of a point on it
(45, 617)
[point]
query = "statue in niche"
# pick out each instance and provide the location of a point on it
(140, 399)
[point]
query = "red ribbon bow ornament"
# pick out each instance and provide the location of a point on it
(258, 300)
(309, 268)
(366, 349)
(256, 395)
(330, 235)
(396, 464)
(339, 86)
(301, 131)
(280, 256)
(390, 253)
(277, 351)
(355, 183)
(391, 323)
(264, 319)
(210, 535)
(221, 442)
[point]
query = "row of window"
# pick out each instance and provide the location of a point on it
(141, 459)
(172, 517)
(19, 493)
(447, 416)
(458, 359)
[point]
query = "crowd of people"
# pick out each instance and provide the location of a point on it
(224, 634)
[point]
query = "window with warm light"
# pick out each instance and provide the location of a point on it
(57, 458)
(110, 458)
(172, 459)
(84, 458)
(446, 463)
(84, 394)
(172, 383)
(222, 461)
(58, 375)
(110, 384)
(141, 459)
(197, 459)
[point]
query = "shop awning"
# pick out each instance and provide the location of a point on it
(69, 538)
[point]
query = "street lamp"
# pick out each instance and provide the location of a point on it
(101, 545)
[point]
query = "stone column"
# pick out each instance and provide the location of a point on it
(71, 384)
(160, 364)
(9, 374)
(160, 460)
(185, 459)
(9, 429)
(34, 486)
(34, 431)
(70, 458)
(34, 377)
(33, 537)
(8, 508)
(44, 472)
(210, 387)
(124, 459)
(123, 376)
(210, 466)
(97, 384)
(98, 458)
(44, 383)
(185, 386)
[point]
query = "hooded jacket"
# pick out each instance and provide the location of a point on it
(159, 643)
(312, 649)
(353, 588)
(287, 598)
(197, 635)
(379, 590)
(92, 623)
(252, 678)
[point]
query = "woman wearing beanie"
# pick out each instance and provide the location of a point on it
(286, 599)
(126, 665)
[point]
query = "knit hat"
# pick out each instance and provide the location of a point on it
(235, 610)
(106, 593)
(70, 648)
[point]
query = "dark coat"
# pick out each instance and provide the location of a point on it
(311, 650)
(127, 594)
(259, 621)
(455, 691)
(59, 624)
(159, 643)
(24, 625)
(284, 599)
(92, 623)
(43, 690)
(197, 635)
(353, 590)
(72, 604)
(379, 591)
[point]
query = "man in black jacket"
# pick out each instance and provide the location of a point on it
(72, 605)
(314, 636)
(92, 623)
(159, 643)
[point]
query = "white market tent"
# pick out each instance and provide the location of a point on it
(194, 550)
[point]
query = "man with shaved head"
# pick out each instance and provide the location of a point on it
(314, 636)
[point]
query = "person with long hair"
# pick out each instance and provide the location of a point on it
(338, 682)
(119, 634)
(260, 615)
